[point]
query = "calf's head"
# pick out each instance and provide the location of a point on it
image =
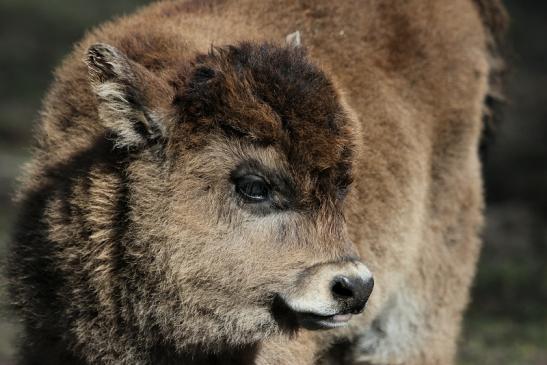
(241, 163)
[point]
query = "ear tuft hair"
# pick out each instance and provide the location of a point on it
(106, 63)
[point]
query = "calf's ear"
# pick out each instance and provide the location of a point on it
(119, 86)
(294, 40)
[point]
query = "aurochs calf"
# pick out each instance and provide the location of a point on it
(202, 192)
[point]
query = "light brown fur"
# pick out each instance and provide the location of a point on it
(185, 272)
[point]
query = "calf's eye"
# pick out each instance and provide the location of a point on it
(252, 188)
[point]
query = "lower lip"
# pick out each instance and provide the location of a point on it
(337, 320)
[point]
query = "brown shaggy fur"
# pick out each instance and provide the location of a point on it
(133, 247)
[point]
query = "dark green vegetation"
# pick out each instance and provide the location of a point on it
(507, 321)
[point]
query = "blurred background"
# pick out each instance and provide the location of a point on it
(507, 319)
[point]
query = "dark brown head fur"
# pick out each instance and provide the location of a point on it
(271, 96)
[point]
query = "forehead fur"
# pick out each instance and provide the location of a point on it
(269, 95)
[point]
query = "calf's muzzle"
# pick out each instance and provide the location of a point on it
(327, 295)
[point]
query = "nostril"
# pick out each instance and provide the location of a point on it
(342, 287)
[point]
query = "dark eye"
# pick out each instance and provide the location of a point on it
(253, 188)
